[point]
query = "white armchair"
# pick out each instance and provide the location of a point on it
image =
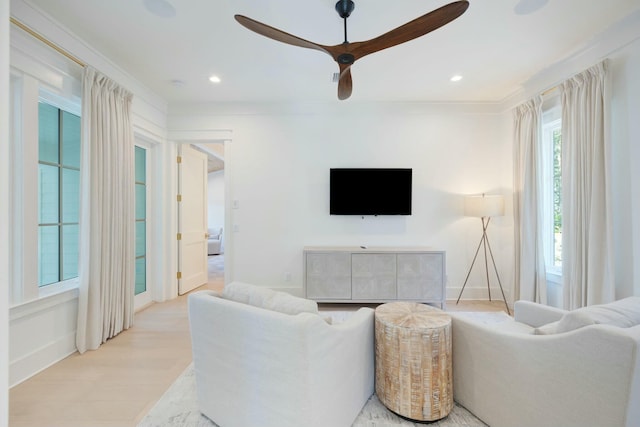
(255, 365)
(214, 243)
(548, 367)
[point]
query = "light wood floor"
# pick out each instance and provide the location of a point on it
(118, 384)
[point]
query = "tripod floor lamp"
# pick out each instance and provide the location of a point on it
(484, 207)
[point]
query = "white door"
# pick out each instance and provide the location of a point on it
(192, 219)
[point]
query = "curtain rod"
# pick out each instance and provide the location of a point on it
(548, 91)
(47, 42)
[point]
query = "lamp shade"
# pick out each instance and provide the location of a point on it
(484, 206)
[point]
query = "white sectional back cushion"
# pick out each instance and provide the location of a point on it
(623, 313)
(269, 299)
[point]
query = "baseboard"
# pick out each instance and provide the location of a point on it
(29, 365)
(469, 293)
(452, 293)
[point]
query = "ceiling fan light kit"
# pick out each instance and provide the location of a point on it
(346, 53)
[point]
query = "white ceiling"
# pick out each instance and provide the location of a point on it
(496, 49)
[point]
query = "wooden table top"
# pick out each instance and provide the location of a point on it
(412, 315)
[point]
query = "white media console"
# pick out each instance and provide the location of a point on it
(375, 274)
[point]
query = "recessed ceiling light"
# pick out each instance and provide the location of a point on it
(456, 78)
(214, 79)
(160, 8)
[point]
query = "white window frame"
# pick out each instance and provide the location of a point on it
(68, 107)
(37, 74)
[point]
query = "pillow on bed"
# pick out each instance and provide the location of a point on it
(623, 313)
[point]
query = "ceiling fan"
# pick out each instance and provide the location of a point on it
(346, 53)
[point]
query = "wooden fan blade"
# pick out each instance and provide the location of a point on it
(278, 35)
(411, 30)
(345, 84)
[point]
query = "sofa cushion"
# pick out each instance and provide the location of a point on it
(548, 329)
(269, 299)
(288, 304)
(237, 291)
(623, 313)
(499, 321)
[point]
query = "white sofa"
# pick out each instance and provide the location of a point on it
(214, 241)
(548, 367)
(257, 364)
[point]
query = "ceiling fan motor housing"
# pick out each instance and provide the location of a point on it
(346, 58)
(344, 8)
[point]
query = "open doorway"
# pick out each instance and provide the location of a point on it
(215, 212)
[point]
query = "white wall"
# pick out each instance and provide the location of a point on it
(215, 210)
(625, 130)
(278, 167)
(4, 213)
(42, 332)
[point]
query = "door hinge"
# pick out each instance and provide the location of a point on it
(179, 236)
(179, 275)
(179, 159)
(179, 197)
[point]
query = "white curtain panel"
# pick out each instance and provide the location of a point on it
(107, 233)
(530, 272)
(587, 255)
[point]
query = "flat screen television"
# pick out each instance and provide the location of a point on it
(370, 191)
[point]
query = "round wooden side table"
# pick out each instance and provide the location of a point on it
(413, 360)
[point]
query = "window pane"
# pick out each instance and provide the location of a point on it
(141, 201)
(48, 133)
(141, 165)
(48, 260)
(557, 197)
(141, 275)
(141, 225)
(48, 197)
(69, 251)
(70, 195)
(141, 238)
(70, 140)
(58, 194)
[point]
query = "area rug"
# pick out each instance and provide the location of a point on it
(178, 407)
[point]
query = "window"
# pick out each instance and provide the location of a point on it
(141, 219)
(45, 110)
(58, 194)
(552, 191)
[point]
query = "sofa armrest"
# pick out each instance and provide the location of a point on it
(342, 367)
(534, 314)
(363, 315)
(551, 380)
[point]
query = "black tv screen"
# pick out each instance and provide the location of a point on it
(370, 191)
